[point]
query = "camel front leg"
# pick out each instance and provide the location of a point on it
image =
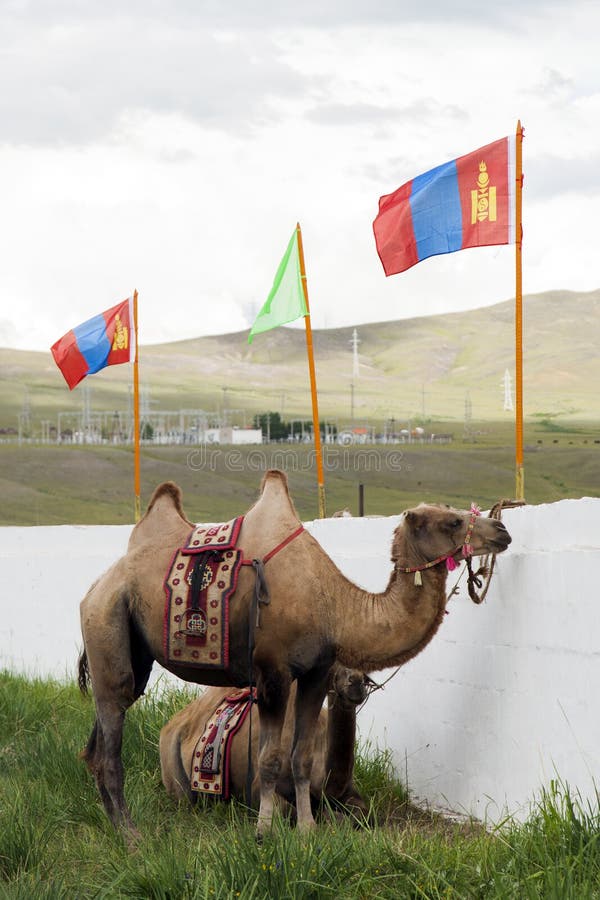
(309, 701)
(272, 690)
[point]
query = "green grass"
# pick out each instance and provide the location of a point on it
(417, 371)
(55, 841)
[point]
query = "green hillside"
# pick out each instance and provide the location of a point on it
(422, 368)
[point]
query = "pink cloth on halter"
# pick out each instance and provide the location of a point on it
(467, 549)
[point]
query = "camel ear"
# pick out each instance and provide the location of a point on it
(414, 519)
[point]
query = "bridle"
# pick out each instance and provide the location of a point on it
(475, 579)
(465, 549)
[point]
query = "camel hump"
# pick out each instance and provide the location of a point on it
(274, 508)
(172, 491)
(163, 515)
(274, 479)
(274, 490)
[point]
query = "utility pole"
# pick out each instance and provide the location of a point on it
(25, 417)
(507, 384)
(468, 416)
(354, 342)
(224, 389)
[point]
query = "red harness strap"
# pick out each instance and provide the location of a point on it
(271, 553)
(261, 596)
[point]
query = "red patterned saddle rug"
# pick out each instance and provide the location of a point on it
(210, 772)
(202, 576)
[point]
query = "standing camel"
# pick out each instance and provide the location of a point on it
(315, 617)
(333, 757)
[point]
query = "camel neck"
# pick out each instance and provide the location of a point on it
(376, 631)
(341, 735)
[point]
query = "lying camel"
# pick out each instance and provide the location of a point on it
(333, 759)
(315, 616)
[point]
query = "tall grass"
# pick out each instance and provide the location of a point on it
(55, 840)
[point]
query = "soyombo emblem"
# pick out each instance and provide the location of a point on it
(483, 199)
(121, 336)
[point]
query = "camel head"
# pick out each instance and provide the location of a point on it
(349, 685)
(432, 532)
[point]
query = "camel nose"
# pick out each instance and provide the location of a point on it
(503, 534)
(357, 690)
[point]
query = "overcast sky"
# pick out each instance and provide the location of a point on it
(171, 146)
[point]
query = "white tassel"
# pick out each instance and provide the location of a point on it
(418, 579)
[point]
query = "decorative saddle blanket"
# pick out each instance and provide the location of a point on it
(212, 754)
(202, 576)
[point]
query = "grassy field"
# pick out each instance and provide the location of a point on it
(426, 371)
(55, 840)
(52, 485)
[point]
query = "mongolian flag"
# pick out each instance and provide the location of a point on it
(106, 340)
(469, 202)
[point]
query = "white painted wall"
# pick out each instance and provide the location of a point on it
(502, 700)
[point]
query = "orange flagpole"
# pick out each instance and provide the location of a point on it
(313, 380)
(136, 415)
(520, 472)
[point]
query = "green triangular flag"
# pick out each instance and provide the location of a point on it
(286, 301)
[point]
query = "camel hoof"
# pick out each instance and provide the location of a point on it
(263, 828)
(132, 838)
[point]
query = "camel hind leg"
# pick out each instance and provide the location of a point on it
(119, 666)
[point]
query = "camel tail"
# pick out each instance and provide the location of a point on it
(83, 673)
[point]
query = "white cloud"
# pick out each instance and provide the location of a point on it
(172, 147)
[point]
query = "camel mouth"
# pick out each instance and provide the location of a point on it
(500, 544)
(496, 544)
(357, 693)
(503, 538)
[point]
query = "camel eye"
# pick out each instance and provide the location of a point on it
(457, 523)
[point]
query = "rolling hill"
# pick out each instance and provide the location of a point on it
(426, 368)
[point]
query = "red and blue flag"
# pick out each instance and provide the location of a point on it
(469, 202)
(105, 340)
